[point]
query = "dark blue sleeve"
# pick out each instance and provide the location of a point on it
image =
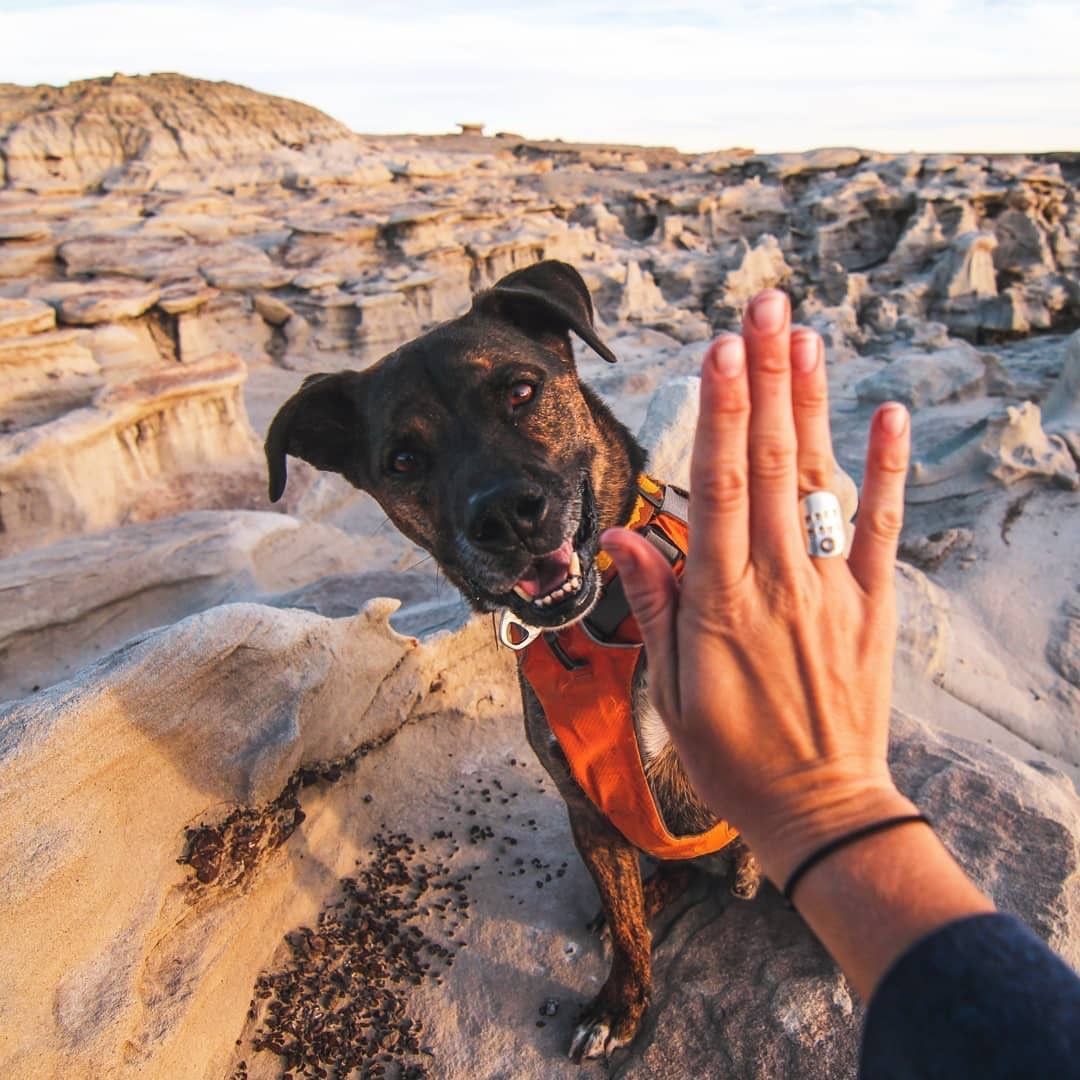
(982, 997)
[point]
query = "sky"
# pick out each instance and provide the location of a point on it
(931, 75)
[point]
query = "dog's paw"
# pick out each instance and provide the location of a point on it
(601, 1031)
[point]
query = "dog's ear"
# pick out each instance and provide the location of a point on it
(548, 298)
(320, 424)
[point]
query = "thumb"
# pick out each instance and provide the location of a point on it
(653, 595)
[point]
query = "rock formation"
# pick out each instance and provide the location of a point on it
(130, 132)
(231, 776)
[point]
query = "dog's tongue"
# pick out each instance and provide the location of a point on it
(547, 573)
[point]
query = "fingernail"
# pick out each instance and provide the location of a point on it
(768, 312)
(894, 419)
(805, 351)
(729, 355)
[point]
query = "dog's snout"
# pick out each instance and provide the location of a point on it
(506, 516)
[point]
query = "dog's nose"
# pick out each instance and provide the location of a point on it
(501, 518)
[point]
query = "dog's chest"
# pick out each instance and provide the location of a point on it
(652, 735)
(649, 730)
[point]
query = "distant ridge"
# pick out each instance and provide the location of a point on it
(94, 131)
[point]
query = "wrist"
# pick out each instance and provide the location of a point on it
(792, 829)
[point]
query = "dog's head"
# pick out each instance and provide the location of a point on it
(481, 445)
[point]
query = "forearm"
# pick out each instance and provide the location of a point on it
(869, 902)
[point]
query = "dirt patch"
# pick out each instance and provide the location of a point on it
(227, 855)
(337, 1005)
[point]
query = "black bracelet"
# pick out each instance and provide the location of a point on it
(813, 859)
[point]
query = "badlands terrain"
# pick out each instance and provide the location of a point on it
(266, 807)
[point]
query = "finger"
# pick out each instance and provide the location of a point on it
(653, 595)
(719, 503)
(881, 509)
(774, 516)
(810, 405)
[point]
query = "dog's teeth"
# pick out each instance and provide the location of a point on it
(539, 601)
(522, 593)
(575, 565)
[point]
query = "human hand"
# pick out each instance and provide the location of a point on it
(772, 670)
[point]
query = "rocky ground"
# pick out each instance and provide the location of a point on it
(254, 820)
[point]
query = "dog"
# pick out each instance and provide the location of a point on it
(483, 447)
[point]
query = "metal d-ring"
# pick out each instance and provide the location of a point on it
(509, 621)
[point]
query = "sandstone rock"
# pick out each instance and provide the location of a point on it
(983, 802)
(119, 347)
(107, 301)
(1007, 447)
(168, 441)
(223, 323)
(929, 552)
(598, 217)
(69, 603)
(152, 258)
(79, 134)
(316, 279)
(253, 273)
(668, 430)
(826, 159)
(226, 710)
(762, 267)
(969, 269)
(1062, 407)
(178, 961)
(13, 229)
(923, 627)
(183, 296)
(641, 298)
(386, 320)
(43, 375)
(859, 220)
(21, 317)
(1063, 649)
(274, 310)
(19, 260)
(921, 242)
(919, 378)
(431, 166)
(1020, 243)
(1023, 449)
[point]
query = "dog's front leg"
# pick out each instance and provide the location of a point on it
(613, 1018)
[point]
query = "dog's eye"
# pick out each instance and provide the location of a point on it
(404, 461)
(521, 393)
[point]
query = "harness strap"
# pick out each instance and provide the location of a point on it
(585, 683)
(613, 608)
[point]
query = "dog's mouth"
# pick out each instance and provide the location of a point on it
(561, 586)
(552, 578)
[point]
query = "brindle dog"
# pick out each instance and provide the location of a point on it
(482, 446)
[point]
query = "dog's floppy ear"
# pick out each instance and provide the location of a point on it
(547, 298)
(320, 423)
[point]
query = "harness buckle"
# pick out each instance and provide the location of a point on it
(515, 634)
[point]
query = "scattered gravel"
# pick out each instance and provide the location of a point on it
(338, 1006)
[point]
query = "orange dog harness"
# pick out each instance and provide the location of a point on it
(583, 676)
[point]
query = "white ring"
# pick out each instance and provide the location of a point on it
(824, 524)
